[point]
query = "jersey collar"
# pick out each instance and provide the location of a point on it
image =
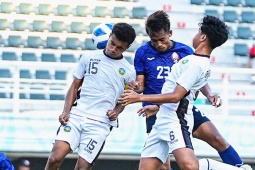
(112, 57)
(201, 55)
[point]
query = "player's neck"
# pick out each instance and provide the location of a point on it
(203, 50)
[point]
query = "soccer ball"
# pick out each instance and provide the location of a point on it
(100, 35)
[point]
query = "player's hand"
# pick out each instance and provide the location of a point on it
(148, 111)
(112, 115)
(215, 100)
(128, 97)
(63, 118)
(132, 85)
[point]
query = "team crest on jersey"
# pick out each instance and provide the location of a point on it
(67, 129)
(122, 71)
(184, 61)
(175, 57)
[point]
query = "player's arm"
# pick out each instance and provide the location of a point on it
(132, 97)
(69, 100)
(214, 99)
(140, 83)
(113, 114)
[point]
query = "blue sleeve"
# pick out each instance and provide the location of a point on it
(139, 62)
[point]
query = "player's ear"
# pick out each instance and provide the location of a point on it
(203, 37)
(170, 33)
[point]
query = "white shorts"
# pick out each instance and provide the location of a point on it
(168, 134)
(86, 135)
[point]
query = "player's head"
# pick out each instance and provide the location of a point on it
(120, 39)
(213, 32)
(158, 28)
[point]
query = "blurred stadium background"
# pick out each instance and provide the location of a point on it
(40, 44)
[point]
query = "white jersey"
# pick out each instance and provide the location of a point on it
(190, 72)
(104, 82)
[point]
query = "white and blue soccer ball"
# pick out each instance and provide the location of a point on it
(100, 35)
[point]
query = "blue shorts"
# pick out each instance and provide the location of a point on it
(199, 118)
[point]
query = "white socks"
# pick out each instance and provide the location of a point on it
(209, 164)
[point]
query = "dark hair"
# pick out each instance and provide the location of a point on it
(215, 29)
(124, 32)
(156, 22)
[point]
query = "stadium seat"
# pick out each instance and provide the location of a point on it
(26, 8)
(5, 73)
(37, 96)
(241, 49)
(20, 25)
(197, 2)
(234, 2)
(120, 12)
(139, 12)
(139, 29)
(244, 32)
(64, 10)
(35, 42)
(45, 9)
(230, 16)
(40, 25)
(57, 97)
(7, 7)
(101, 11)
(4, 24)
(92, 26)
(77, 27)
(216, 2)
(48, 57)
(67, 58)
(2, 41)
(54, 42)
(250, 3)
(42, 74)
(89, 44)
(82, 11)
(9, 56)
(248, 16)
(15, 41)
(213, 12)
(60, 75)
(25, 74)
(58, 26)
(28, 56)
(232, 33)
(73, 43)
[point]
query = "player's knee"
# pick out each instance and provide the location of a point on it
(165, 167)
(189, 165)
(54, 160)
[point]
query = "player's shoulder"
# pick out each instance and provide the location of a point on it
(145, 48)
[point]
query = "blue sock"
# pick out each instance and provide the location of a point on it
(230, 156)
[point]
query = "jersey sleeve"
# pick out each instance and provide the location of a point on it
(81, 69)
(189, 76)
(139, 62)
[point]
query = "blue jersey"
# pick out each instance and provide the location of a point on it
(155, 66)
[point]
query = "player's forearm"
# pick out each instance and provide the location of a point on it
(70, 98)
(119, 108)
(206, 90)
(160, 98)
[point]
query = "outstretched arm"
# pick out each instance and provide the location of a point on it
(132, 97)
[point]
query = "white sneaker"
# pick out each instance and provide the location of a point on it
(246, 167)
